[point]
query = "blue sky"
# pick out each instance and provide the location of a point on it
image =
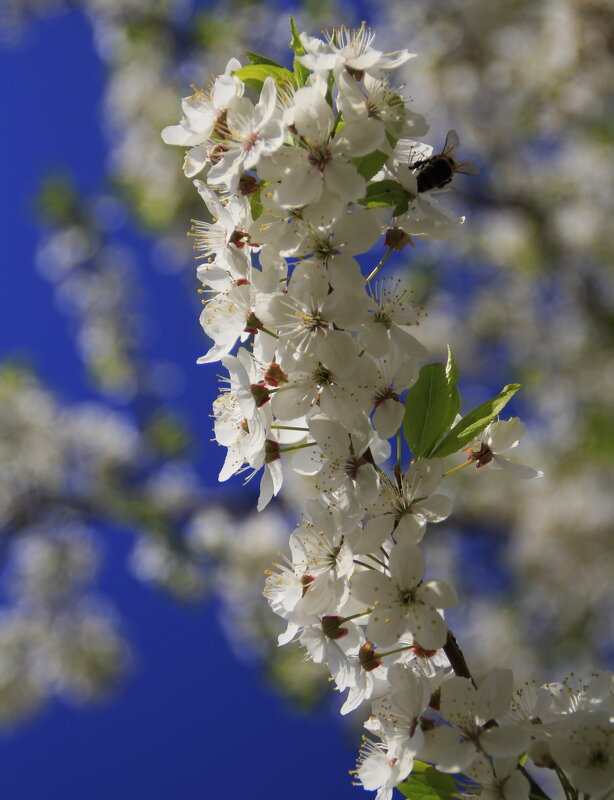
(190, 721)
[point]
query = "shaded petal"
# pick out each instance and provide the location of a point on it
(371, 586)
(458, 699)
(388, 418)
(357, 232)
(503, 435)
(330, 436)
(293, 400)
(374, 338)
(445, 747)
(367, 484)
(410, 528)
(438, 594)
(360, 137)
(265, 106)
(516, 470)
(505, 741)
(406, 564)
(435, 509)
(427, 627)
(303, 185)
(401, 336)
(494, 695)
(336, 350)
(195, 160)
(373, 535)
(345, 180)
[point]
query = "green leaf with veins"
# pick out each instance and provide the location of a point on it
(427, 410)
(254, 58)
(254, 75)
(452, 376)
(473, 423)
(301, 72)
(386, 193)
(427, 783)
(370, 164)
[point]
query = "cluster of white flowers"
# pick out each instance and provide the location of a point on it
(324, 166)
(57, 636)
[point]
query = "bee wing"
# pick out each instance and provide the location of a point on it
(467, 168)
(412, 152)
(451, 143)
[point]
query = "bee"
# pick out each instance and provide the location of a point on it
(438, 170)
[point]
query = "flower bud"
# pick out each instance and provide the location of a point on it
(368, 658)
(260, 393)
(397, 239)
(331, 627)
(275, 375)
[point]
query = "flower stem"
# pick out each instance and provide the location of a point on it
(362, 564)
(271, 333)
(393, 652)
(377, 560)
(379, 266)
(289, 428)
(570, 792)
(354, 616)
(457, 468)
(297, 447)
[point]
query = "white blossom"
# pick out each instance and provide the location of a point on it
(349, 49)
(470, 713)
(202, 112)
(251, 133)
(401, 602)
(500, 435)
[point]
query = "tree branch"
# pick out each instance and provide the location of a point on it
(459, 665)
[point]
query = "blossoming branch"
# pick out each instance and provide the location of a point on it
(303, 170)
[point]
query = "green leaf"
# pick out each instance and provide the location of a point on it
(255, 204)
(427, 783)
(386, 193)
(401, 207)
(254, 58)
(452, 371)
(390, 138)
(395, 119)
(301, 72)
(452, 376)
(329, 91)
(427, 410)
(254, 75)
(370, 165)
(295, 43)
(475, 421)
(382, 193)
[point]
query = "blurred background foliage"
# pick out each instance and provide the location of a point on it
(525, 292)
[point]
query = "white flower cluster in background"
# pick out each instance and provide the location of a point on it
(71, 473)
(58, 637)
(302, 172)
